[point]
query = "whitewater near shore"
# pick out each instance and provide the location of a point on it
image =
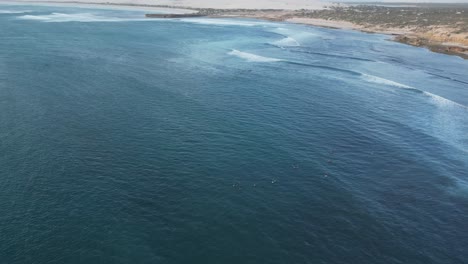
(218, 4)
(440, 27)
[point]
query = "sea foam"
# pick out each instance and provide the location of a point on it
(77, 17)
(252, 57)
(379, 80)
(223, 22)
(90, 17)
(293, 37)
(14, 11)
(442, 101)
(436, 99)
(287, 41)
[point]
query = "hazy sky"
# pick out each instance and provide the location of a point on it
(406, 1)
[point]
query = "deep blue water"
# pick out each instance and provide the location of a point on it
(124, 140)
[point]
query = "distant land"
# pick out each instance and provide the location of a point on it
(441, 27)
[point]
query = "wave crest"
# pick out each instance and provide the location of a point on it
(252, 57)
(436, 99)
(222, 22)
(287, 42)
(14, 11)
(379, 80)
(78, 17)
(442, 101)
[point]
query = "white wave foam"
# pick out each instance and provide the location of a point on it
(252, 57)
(78, 17)
(222, 22)
(379, 80)
(287, 42)
(436, 99)
(442, 101)
(14, 11)
(295, 36)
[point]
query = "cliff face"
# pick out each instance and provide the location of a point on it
(445, 34)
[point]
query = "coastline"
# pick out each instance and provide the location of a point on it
(437, 38)
(415, 36)
(405, 36)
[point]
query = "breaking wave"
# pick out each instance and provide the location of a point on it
(442, 101)
(252, 57)
(436, 99)
(78, 17)
(287, 42)
(293, 37)
(222, 22)
(14, 11)
(379, 80)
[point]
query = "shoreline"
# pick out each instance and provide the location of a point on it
(437, 38)
(405, 35)
(398, 35)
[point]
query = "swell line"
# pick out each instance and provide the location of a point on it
(332, 55)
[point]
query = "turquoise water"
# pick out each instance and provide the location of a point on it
(125, 140)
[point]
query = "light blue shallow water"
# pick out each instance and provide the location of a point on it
(125, 140)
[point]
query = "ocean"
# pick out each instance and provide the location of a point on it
(199, 140)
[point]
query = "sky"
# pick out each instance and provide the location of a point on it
(403, 1)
